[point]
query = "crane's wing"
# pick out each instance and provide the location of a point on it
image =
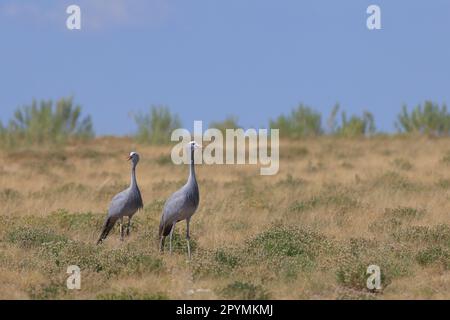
(118, 203)
(116, 207)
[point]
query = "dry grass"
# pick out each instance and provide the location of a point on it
(309, 232)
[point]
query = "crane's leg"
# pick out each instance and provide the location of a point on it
(170, 239)
(161, 244)
(121, 229)
(128, 225)
(188, 237)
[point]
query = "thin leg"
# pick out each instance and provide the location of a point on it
(121, 229)
(161, 243)
(128, 225)
(188, 237)
(170, 239)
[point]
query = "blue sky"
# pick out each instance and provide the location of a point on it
(208, 59)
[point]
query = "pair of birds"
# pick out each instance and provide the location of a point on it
(180, 206)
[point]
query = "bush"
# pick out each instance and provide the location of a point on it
(437, 235)
(75, 221)
(157, 126)
(353, 127)
(359, 253)
(125, 260)
(303, 121)
(216, 263)
(434, 254)
(27, 237)
(287, 250)
(244, 290)
(231, 122)
(395, 181)
(430, 119)
(43, 122)
(132, 294)
(405, 213)
(47, 291)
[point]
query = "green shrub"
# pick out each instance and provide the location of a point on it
(216, 263)
(245, 291)
(301, 122)
(47, 291)
(358, 254)
(405, 213)
(75, 221)
(352, 274)
(124, 260)
(432, 255)
(132, 294)
(282, 246)
(226, 258)
(29, 237)
(395, 181)
(156, 127)
(353, 127)
(42, 122)
(280, 251)
(436, 235)
(231, 122)
(430, 119)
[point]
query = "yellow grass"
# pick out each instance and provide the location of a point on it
(348, 193)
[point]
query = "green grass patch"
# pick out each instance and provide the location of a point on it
(132, 294)
(245, 291)
(32, 237)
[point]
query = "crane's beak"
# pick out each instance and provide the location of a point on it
(129, 158)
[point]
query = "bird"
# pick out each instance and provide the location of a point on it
(181, 205)
(124, 204)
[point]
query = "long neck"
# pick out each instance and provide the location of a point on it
(192, 169)
(133, 183)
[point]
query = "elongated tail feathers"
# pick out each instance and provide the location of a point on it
(107, 226)
(164, 229)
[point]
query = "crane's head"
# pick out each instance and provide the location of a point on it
(133, 157)
(194, 145)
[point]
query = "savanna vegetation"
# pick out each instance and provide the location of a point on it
(310, 232)
(156, 126)
(45, 122)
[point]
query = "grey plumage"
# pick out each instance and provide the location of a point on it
(124, 204)
(181, 205)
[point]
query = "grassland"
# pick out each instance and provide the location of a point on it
(335, 207)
